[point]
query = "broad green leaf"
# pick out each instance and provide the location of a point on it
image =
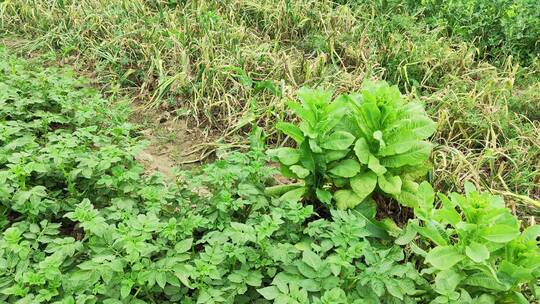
(477, 252)
(434, 232)
(369, 118)
(307, 158)
(293, 195)
(447, 215)
(286, 171)
(523, 274)
(531, 233)
(304, 113)
(324, 195)
(346, 168)
(446, 281)
(339, 140)
(481, 279)
(393, 288)
(407, 235)
(183, 246)
(312, 259)
(254, 278)
(375, 166)
(397, 148)
(390, 184)
(287, 156)
(125, 288)
(361, 149)
(418, 154)
(314, 146)
(316, 97)
(333, 155)
(300, 171)
(363, 184)
(346, 199)
(269, 293)
(367, 211)
(291, 130)
(409, 195)
(500, 233)
(444, 257)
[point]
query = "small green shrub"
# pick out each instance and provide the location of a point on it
(479, 253)
(357, 144)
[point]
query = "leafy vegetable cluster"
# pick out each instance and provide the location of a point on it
(357, 144)
(82, 222)
(479, 252)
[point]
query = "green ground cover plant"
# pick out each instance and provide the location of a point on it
(83, 222)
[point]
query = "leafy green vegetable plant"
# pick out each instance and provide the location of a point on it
(357, 144)
(480, 254)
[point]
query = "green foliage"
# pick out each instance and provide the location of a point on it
(357, 144)
(479, 254)
(82, 222)
(502, 27)
(391, 141)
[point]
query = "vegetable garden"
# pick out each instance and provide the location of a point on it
(333, 186)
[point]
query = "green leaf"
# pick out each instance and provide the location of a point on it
(314, 146)
(339, 140)
(407, 235)
(393, 288)
(291, 130)
(125, 288)
(444, 257)
(307, 158)
(161, 278)
(312, 259)
(363, 184)
(183, 246)
(346, 168)
(293, 195)
(480, 279)
(369, 118)
(269, 293)
(418, 154)
(314, 97)
(447, 281)
(500, 233)
(333, 155)
(531, 233)
(390, 184)
(305, 114)
(477, 252)
(361, 149)
(346, 199)
(367, 211)
(324, 195)
(300, 171)
(287, 156)
(254, 278)
(375, 166)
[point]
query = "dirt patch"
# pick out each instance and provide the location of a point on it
(172, 141)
